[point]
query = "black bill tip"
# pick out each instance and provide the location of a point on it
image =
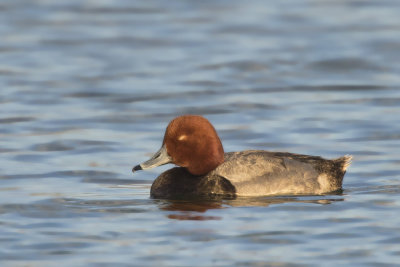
(137, 168)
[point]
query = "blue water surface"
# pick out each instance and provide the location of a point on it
(88, 87)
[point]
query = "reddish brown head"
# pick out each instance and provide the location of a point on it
(190, 141)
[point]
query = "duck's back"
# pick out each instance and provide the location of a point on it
(257, 172)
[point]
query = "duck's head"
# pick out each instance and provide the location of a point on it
(190, 141)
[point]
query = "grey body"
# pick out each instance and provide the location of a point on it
(256, 173)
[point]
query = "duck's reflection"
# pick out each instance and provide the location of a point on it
(196, 209)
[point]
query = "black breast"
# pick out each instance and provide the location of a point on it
(178, 183)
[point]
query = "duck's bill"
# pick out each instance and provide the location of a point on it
(161, 157)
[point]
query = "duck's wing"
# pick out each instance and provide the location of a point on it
(256, 172)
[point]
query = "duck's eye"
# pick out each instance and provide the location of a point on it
(182, 137)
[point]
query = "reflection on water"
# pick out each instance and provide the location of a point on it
(195, 209)
(87, 89)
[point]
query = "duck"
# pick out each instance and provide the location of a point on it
(205, 170)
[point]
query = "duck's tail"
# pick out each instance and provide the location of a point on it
(345, 162)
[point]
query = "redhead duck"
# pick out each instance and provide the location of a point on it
(191, 142)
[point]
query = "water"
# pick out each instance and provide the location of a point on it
(88, 87)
